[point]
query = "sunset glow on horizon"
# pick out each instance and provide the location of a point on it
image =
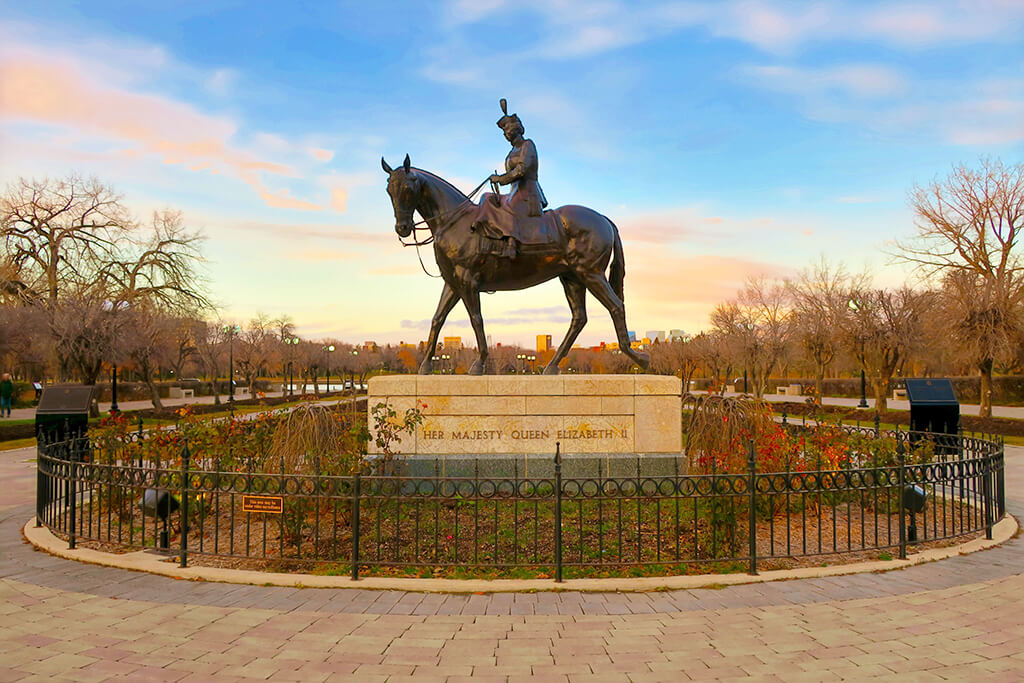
(725, 139)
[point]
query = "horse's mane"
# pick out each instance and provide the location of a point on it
(442, 181)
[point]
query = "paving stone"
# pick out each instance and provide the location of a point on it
(959, 619)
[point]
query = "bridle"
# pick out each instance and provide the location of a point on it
(449, 214)
(447, 217)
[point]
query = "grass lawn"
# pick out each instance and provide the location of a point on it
(14, 444)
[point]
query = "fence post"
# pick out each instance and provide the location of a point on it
(901, 478)
(1001, 480)
(752, 521)
(42, 453)
(140, 442)
(72, 489)
(355, 528)
(183, 559)
(558, 512)
(878, 423)
(986, 492)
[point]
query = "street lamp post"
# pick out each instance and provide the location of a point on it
(231, 331)
(533, 364)
(291, 343)
(857, 307)
(113, 389)
(328, 349)
(445, 366)
(355, 352)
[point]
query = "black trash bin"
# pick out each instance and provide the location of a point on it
(63, 411)
(935, 409)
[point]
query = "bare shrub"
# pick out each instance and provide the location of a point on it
(718, 425)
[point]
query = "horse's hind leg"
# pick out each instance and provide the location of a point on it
(598, 285)
(576, 293)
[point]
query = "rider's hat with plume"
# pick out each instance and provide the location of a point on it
(508, 120)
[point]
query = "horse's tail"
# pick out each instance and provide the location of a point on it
(618, 269)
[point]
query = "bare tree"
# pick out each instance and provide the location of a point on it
(73, 251)
(149, 342)
(711, 349)
(59, 233)
(579, 360)
(84, 329)
(882, 328)
(819, 298)
(210, 341)
(759, 324)
(676, 357)
(968, 228)
(159, 267)
(253, 347)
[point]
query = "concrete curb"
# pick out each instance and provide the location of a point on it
(152, 563)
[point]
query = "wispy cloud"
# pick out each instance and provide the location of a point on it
(221, 81)
(854, 80)
(577, 28)
(297, 231)
(318, 255)
(63, 91)
(692, 225)
(985, 112)
(857, 199)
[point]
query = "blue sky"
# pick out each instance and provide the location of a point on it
(726, 139)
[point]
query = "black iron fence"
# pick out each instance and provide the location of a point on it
(611, 517)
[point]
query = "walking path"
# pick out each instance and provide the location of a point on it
(961, 618)
(1016, 412)
(30, 413)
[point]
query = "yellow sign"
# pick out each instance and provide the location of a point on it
(273, 505)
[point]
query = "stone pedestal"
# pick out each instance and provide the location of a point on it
(516, 415)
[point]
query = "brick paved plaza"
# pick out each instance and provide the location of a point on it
(960, 619)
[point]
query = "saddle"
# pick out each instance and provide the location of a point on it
(509, 233)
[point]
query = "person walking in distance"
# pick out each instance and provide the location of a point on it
(6, 394)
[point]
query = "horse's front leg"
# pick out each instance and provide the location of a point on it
(472, 301)
(448, 300)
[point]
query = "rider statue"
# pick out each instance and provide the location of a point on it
(526, 199)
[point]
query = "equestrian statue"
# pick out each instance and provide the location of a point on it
(509, 242)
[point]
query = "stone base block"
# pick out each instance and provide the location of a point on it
(591, 414)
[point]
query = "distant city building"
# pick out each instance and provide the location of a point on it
(403, 345)
(676, 335)
(543, 342)
(453, 343)
(656, 335)
(370, 346)
(632, 335)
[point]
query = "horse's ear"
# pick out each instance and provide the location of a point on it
(405, 164)
(384, 165)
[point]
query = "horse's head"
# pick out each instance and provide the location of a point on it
(405, 190)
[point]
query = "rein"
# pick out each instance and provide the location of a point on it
(418, 225)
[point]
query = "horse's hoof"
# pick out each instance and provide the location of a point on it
(551, 370)
(643, 360)
(426, 369)
(477, 368)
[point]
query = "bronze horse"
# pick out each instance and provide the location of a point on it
(469, 266)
